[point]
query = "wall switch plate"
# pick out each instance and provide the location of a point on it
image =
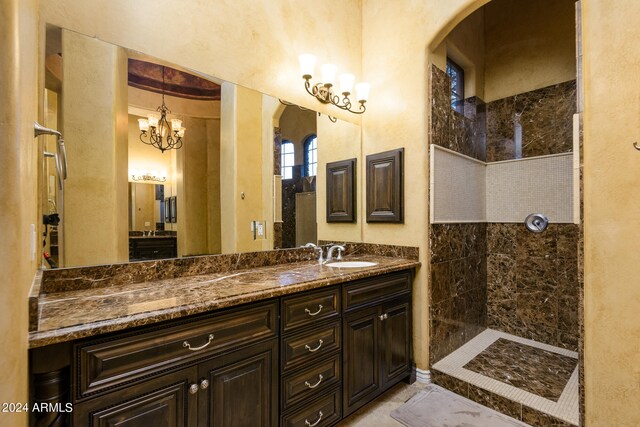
(259, 229)
(33, 242)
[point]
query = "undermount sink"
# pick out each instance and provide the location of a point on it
(351, 264)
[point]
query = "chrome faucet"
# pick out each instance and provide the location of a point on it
(330, 252)
(319, 249)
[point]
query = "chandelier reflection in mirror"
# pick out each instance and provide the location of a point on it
(324, 91)
(155, 129)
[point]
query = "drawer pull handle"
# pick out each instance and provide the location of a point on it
(311, 350)
(320, 415)
(204, 384)
(320, 378)
(315, 313)
(193, 389)
(384, 316)
(187, 345)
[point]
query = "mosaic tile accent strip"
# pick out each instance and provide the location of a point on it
(539, 371)
(565, 409)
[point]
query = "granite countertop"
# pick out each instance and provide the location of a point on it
(71, 314)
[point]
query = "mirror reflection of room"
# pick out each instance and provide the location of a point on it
(222, 183)
(298, 168)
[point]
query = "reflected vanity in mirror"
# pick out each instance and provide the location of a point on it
(150, 236)
(244, 157)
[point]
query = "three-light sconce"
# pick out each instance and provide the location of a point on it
(324, 91)
(144, 175)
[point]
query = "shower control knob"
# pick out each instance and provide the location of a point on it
(536, 222)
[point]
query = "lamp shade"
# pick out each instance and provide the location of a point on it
(307, 64)
(176, 124)
(328, 74)
(153, 120)
(362, 92)
(346, 83)
(143, 124)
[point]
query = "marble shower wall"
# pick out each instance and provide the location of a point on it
(458, 310)
(532, 283)
(498, 275)
(546, 117)
(464, 134)
(458, 251)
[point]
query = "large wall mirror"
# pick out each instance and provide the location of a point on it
(243, 176)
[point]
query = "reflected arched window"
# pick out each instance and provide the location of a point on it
(311, 156)
(287, 160)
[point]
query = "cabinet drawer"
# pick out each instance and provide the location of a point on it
(107, 363)
(310, 308)
(376, 289)
(309, 345)
(324, 411)
(311, 381)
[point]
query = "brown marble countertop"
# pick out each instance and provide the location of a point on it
(69, 315)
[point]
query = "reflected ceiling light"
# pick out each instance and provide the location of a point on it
(160, 134)
(324, 92)
(143, 175)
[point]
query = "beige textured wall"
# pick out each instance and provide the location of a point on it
(213, 186)
(529, 45)
(241, 144)
(338, 141)
(249, 179)
(95, 127)
(251, 43)
(228, 155)
(466, 46)
(195, 208)
(611, 207)
(18, 204)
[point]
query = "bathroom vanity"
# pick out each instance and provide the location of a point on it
(291, 344)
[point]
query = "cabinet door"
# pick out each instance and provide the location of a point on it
(396, 341)
(361, 358)
(242, 388)
(161, 402)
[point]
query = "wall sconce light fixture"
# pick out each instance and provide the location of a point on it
(143, 175)
(324, 91)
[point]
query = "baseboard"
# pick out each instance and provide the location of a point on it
(423, 376)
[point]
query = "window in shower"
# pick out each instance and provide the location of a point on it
(310, 155)
(457, 85)
(287, 160)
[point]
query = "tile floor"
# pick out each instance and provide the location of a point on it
(378, 412)
(523, 378)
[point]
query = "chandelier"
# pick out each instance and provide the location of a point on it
(155, 130)
(324, 92)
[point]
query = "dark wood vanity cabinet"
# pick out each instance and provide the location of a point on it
(311, 359)
(216, 370)
(306, 359)
(146, 248)
(377, 337)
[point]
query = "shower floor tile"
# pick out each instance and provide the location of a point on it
(539, 371)
(537, 376)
